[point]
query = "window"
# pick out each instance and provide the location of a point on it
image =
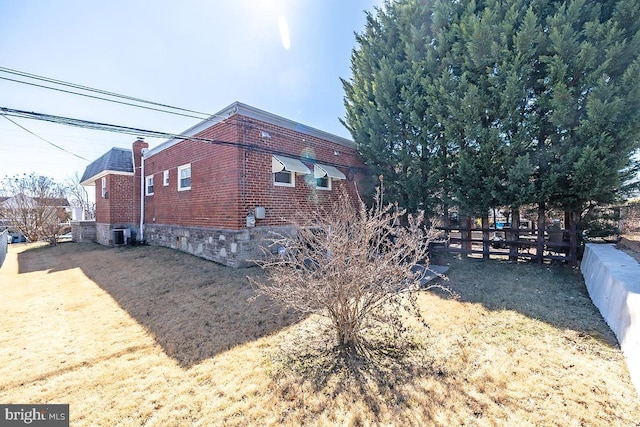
(165, 178)
(324, 174)
(184, 177)
(149, 185)
(285, 178)
(103, 186)
(284, 170)
(323, 183)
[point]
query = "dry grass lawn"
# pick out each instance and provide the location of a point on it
(149, 336)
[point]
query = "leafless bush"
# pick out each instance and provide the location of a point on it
(630, 218)
(35, 206)
(353, 265)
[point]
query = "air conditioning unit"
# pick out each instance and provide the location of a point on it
(121, 236)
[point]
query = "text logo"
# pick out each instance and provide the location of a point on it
(54, 415)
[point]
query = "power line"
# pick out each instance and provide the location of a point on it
(91, 89)
(41, 138)
(85, 124)
(107, 127)
(102, 99)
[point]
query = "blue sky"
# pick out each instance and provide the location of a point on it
(282, 56)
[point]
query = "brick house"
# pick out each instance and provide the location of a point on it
(22, 211)
(220, 187)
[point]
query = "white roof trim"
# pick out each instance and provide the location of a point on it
(320, 171)
(91, 181)
(280, 163)
(255, 113)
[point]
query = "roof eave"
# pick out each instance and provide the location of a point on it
(254, 113)
(89, 182)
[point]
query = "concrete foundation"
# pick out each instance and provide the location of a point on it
(613, 281)
(83, 231)
(233, 248)
(105, 234)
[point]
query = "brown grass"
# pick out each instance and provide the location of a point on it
(150, 336)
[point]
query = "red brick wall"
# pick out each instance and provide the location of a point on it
(227, 180)
(122, 204)
(213, 198)
(283, 203)
(103, 211)
(122, 198)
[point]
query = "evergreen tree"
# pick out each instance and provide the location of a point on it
(387, 111)
(503, 103)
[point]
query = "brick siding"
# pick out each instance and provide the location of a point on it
(227, 181)
(229, 178)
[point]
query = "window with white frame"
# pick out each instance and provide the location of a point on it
(184, 177)
(148, 188)
(284, 178)
(325, 174)
(103, 187)
(284, 170)
(165, 178)
(323, 183)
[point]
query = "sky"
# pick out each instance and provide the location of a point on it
(282, 56)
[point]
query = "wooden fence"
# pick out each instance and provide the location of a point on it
(509, 244)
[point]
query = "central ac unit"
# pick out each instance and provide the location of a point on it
(121, 236)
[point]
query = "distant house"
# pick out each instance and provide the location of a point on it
(28, 212)
(218, 189)
(20, 200)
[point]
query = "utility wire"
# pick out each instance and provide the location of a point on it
(41, 138)
(103, 99)
(86, 124)
(90, 89)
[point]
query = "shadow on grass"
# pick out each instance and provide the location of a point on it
(554, 294)
(389, 378)
(192, 307)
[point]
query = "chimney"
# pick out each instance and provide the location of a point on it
(138, 146)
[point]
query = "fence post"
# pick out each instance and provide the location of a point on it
(574, 218)
(485, 236)
(514, 235)
(465, 235)
(540, 234)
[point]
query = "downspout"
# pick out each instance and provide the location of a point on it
(142, 153)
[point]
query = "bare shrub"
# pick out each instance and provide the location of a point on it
(35, 206)
(354, 265)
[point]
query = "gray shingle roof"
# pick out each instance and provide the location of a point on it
(116, 160)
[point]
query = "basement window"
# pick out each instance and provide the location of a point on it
(284, 170)
(184, 177)
(148, 187)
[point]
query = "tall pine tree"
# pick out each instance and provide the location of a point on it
(485, 103)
